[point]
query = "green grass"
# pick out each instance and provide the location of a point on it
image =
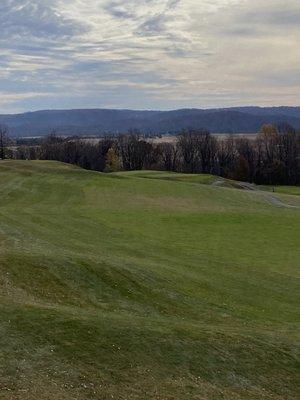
(294, 190)
(144, 285)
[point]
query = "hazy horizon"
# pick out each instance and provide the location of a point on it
(148, 54)
(144, 109)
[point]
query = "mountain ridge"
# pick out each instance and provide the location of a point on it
(100, 121)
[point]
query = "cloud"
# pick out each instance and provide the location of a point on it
(35, 19)
(148, 53)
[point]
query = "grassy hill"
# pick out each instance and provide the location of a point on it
(145, 285)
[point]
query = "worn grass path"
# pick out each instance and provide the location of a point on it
(145, 285)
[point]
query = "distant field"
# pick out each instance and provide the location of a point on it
(146, 285)
(219, 136)
(174, 138)
(236, 135)
(169, 138)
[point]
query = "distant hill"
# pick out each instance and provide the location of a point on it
(100, 121)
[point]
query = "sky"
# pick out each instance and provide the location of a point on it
(148, 54)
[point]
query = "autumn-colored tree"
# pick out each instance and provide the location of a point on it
(112, 161)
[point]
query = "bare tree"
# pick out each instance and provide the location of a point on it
(207, 148)
(270, 168)
(169, 156)
(272, 158)
(226, 155)
(246, 160)
(134, 152)
(188, 149)
(3, 141)
(289, 153)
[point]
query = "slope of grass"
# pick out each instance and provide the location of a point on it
(128, 287)
(293, 190)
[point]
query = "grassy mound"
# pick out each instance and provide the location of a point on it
(144, 285)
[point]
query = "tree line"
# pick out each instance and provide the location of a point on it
(272, 157)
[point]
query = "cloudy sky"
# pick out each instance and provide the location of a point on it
(142, 54)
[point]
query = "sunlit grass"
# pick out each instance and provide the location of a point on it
(144, 285)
